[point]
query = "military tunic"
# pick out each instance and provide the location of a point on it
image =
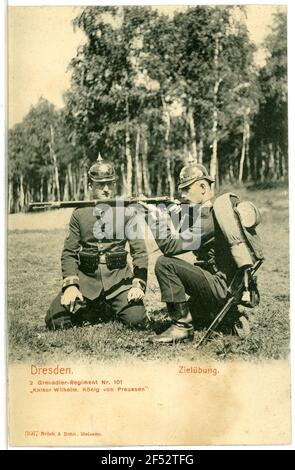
(205, 283)
(98, 232)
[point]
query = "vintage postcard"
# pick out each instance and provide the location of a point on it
(148, 233)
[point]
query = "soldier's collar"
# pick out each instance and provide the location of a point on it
(207, 204)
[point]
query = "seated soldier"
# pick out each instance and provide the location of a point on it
(94, 262)
(204, 282)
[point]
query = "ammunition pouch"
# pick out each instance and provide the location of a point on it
(116, 260)
(88, 262)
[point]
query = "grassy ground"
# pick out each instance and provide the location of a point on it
(34, 279)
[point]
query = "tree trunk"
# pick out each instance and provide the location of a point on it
(70, 180)
(159, 179)
(82, 181)
(27, 196)
(214, 157)
(145, 168)
(138, 170)
(41, 189)
(21, 193)
(53, 156)
(191, 123)
(128, 187)
(123, 175)
(16, 202)
(244, 152)
(170, 179)
(75, 192)
(49, 189)
(80, 178)
(271, 161)
(254, 174)
(285, 160)
(263, 166)
(66, 188)
(279, 173)
(248, 164)
(201, 146)
(242, 159)
(10, 196)
(140, 188)
(185, 146)
(53, 189)
(85, 183)
(282, 164)
(166, 118)
(231, 172)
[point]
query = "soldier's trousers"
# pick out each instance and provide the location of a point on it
(178, 279)
(131, 314)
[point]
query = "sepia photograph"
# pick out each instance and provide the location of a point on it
(148, 225)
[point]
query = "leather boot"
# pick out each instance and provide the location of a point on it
(181, 328)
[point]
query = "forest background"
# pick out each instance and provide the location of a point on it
(150, 90)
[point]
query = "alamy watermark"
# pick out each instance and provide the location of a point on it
(132, 221)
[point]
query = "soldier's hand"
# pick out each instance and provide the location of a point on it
(135, 294)
(69, 297)
(175, 208)
(150, 207)
(154, 213)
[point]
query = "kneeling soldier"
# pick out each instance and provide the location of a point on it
(203, 282)
(94, 261)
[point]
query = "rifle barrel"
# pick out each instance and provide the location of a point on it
(38, 206)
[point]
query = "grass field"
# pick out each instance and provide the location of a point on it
(34, 247)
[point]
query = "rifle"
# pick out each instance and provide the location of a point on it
(235, 291)
(40, 206)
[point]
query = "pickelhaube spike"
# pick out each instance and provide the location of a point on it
(191, 160)
(101, 171)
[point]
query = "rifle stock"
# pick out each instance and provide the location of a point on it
(234, 298)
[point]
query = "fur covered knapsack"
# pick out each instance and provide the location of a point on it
(238, 246)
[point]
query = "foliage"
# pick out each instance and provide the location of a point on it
(270, 138)
(147, 91)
